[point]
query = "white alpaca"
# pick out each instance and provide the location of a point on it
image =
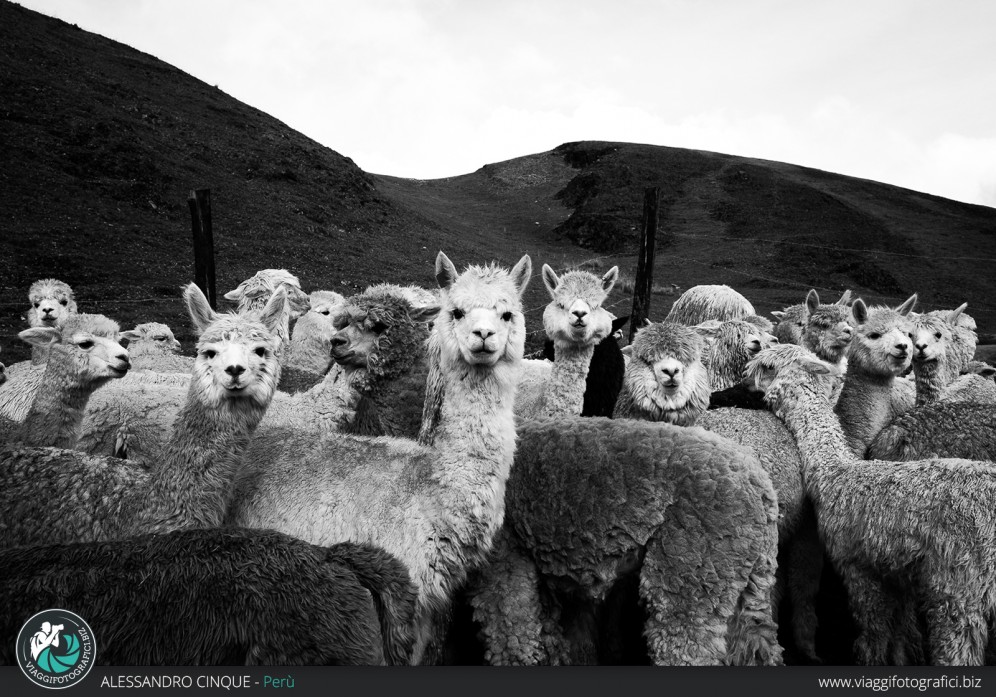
(52, 301)
(436, 508)
(152, 346)
(312, 335)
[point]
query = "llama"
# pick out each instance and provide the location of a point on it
(880, 351)
(218, 597)
(52, 301)
(436, 508)
(702, 303)
(665, 378)
(83, 354)
(905, 536)
(50, 496)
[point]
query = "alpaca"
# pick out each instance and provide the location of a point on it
(49, 495)
(702, 303)
(152, 346)
(605, 372)
(254, 293)
(792, 320)
(905, 536)
(730, 345)
(83, 355)
(940, 357)
(309, 343)
(218, 597)
(437, 507)
(828, 330)
(52, 301)
(880, 351)
(576, 322)
(665, 378)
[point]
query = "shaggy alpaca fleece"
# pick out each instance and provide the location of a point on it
(734, 342)
(939, 429)
(680, 400)
(791, 324)
(594, 499)
(702, 303)
(152, 346)
(905, 536)
(217, 597)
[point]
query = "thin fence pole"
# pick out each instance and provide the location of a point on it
(645, 261)
(200, 219)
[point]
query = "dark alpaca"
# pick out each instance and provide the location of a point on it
(217, 597)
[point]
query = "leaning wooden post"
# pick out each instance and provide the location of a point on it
(200, 219)
(645, 262)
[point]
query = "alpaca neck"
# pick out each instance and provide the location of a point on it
(474, 445)
(334, 400)
(929, 381)
(193, 484)
(56, 414)
(564, 394)
(863, 407)
(818, 435)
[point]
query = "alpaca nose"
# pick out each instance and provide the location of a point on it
(921, 347)
(484, 333)
(123, 357)
(235, 370)
(338, 341)
(580, 314)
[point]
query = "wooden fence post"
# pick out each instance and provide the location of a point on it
(200, 219)
(645, 261)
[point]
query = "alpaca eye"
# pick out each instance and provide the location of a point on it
(209, 354)
(507, 317)
(159, 338)
(325, 312)
(85, 345)
(37, 304)
(379, 327)
(874, 335)
(261, 352)
(64, 302)
(937, 335)
(457, 314)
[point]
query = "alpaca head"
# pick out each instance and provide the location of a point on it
(480, 324)
(829, 328)
(236, 362)
(963, 341)
(52, 301)
(575, 316)
(151, 338)
(932, 336)
(882, 343)
(86, 346)
(705, 302)
(380, 332)
(325, 302)
(791, 323)
(730, 345)
(665, 370)
(254, 292)
(781, 371)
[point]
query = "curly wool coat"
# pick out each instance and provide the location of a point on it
(217, 597)
(592, 500)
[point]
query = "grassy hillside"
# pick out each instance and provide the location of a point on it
(103, 144)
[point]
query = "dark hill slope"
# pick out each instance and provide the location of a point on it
(102, 144)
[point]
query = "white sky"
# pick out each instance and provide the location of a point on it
(899, 91)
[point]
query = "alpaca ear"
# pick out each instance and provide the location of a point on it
(272, 315)
(619, 322)
(860, 311)
(234, 295)
(550, 279)
(986, 372)
(955, 314)
(426, 313)
(627, 350)
(817, 368)
(845, 299)
(646, 322)
(813, 300)
(131, 335)
(521, 272)
(609, 279)
(778, 314)
(197, 305)
(709, 329)
(446, 273)
(907, 306)
(41, 336)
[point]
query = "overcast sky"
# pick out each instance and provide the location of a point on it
(899, 91)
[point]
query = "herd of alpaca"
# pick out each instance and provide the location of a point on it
(372, 464)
